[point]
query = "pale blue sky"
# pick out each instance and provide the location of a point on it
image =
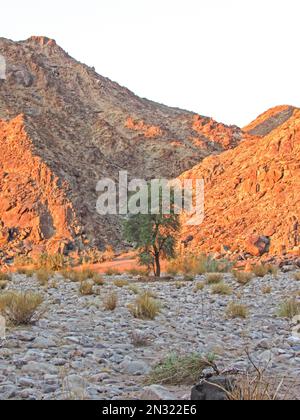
(230, 59)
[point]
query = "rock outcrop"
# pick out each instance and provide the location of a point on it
(252, 191)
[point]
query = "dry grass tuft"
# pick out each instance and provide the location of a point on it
(178, 370)
(43, 276)
(135, 272)
(140, 339)
(236, 310)
(214, 278)
(55, 262)
(297, 276)
(289, 308)
(20, 307)
(242, 277)
(262, 270)
(86, 288)
(145, 307)
(266, 290)
(221, 289)
(3, 284)
(199, 286)
(121, 283)
(5, 276)
(110, 272)
(111, 302)
(133, 288)
(197, 264)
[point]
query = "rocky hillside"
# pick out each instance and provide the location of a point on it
(252, 204)
(82, 127)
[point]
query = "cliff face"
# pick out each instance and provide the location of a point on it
(35, 211)
(252, 191)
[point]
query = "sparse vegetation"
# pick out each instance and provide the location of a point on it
(214, 278)
(266, 290)
(110, 272)
(242, 277)
(5, 276)
(135, 272)
(197, 265)
(145, 307)
(20, 307)
(221, 289)
(80, 275)
(111, 302)
(43, 276)
(179, 285)
(121, 283)
(199, 286)
(55, 262)
(179, 370)
(86, 288)
(289, 308)
(134, 289)
(236, 310)
(297, 276)
(261, 270)
(139, 339)
(26, 272)
(98, 280)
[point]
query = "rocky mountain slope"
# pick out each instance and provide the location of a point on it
(252, 201)
(82, 127)
(63, 127)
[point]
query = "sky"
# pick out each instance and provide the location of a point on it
(228, 59)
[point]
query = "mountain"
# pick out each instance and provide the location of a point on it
(252, 199)
(63, 127)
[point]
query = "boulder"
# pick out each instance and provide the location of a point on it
(213, 389)
(258, 245)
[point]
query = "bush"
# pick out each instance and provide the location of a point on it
(86, 287)
(242, 277)
(214, 278)
(98, 280)
(178, 370)
(111, 302)
(289, 308)
(221, 289)
(236, 310)
(20, 307)
(145, 307)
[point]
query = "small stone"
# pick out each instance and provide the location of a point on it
(156, 393)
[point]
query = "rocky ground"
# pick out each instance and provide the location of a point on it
(78, 350)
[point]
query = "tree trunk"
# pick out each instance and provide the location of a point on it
(157, 272)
